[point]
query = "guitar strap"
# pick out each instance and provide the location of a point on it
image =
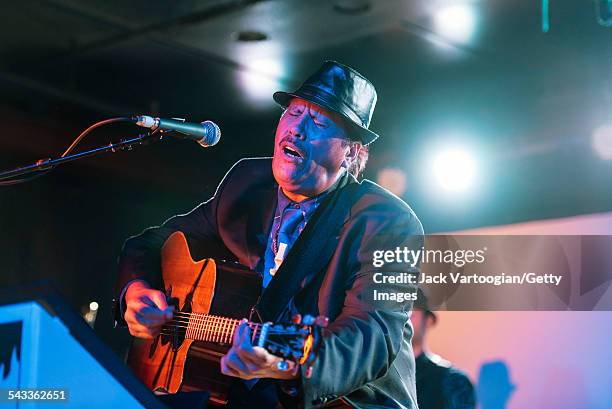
(312, 250)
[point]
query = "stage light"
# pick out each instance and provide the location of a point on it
(454, 170)
(258, 80)
(456, 22)
(266, 66)
(93, 306)
(601, 141)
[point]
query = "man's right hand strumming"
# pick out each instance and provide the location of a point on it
(146, 310)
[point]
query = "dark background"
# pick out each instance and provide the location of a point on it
(527, 101)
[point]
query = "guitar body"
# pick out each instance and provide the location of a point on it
(209, 298)
(173, 362)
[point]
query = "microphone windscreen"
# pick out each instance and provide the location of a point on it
(212, 135)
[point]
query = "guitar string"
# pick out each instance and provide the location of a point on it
(170, 328)
(206, 330)
(204, 317)
(207, 316)
(216, 325)
(210, 320)
(188, 319)
(268, 342)
(219, 327)
(228, 333)
(206, 327)
(213, 322)
(214, 336)
(215, 319)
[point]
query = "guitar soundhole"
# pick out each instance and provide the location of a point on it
(174, 331)
(176, 336)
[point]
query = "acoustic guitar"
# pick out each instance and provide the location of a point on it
(210, 297)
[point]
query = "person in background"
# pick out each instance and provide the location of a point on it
(439, 385)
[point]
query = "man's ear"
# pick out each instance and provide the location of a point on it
(348, 156)
(353, 151)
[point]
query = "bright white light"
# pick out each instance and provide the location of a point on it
(456, 22)
(93, 306)
(454, 170)
(602, 141)
(258, 81)
(267, 66)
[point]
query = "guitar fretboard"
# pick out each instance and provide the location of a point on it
(212, 328)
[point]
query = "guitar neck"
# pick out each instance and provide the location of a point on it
(213, 328)
(293, 341)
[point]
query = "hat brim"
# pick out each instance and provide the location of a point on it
(355, 131)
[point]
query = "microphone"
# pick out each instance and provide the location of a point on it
(206, 134)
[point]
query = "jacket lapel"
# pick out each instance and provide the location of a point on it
(312, 250)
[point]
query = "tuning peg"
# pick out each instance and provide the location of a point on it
(308, 319)
(322, 321)
(296, 319)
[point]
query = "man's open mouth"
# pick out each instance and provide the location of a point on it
(288, 150)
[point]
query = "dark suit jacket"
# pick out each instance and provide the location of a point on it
(366, 355)
(441, 386)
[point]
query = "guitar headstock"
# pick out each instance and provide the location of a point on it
(297, 341)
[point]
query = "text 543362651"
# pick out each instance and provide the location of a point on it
(33, 394)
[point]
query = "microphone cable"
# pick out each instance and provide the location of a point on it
(70, 149)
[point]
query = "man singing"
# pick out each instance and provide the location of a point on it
(304, 222)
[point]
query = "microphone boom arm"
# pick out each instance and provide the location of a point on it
(48, 164)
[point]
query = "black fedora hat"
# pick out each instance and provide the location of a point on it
(340, 89)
